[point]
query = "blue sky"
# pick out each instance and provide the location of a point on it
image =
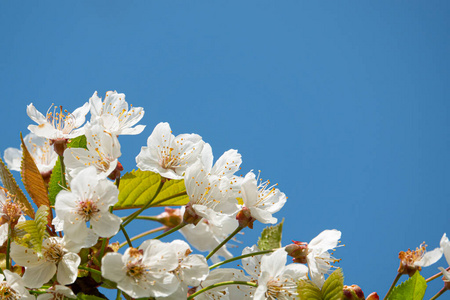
(344, 103)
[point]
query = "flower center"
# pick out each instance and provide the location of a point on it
(54, 252)
(168, 159)
(135, 268)
(7, 293)
(280, 289)
(61, 120)
(87, 209)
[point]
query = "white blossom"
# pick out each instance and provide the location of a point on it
(55, 257)
(206, 236)
(169, 155)
(103, 150)
(318, 258)
(40, 149)
(277, 281)
(226, 292)
(88, 201)
(191, 270)
(12, 287)
(58, 124)
(445, 246)
(261, 199)
(143, 272)
(58, 293)
(113, 114)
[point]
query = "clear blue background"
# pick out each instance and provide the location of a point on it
(344, 103)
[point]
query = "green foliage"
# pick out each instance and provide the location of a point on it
(78, 142)
(271, 237)
(412, 289)
(333, 287)
(11, 185)
(54, 187)
(307, 290)
(31, 233)
(138, 187)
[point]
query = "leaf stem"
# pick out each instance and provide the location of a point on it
(393, 285)
(436, 276)
(8, 248)
(221, 284)
(126, 236)
(176, 228)
(240, 257)
(63, 171)
(90, 270)
(135, 214)
(144, 234)
(439, 293)
(239, 228)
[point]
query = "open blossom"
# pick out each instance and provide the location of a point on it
(143, 272)
(167, 154)
(209, 196)
(55, 257)
(59, 292)
(261, 200)
(225, 292)
(445, 247)
(58, 124)
(39, 148)
(103, 150)
(88, 202)
(113, 114)
(191, 270)
(205, 236)
(12, 287)
(413, 260)
(276, 280)
(10, 214)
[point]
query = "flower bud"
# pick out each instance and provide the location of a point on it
(298, 250)
(171, 217)
(190, 216)
(373, 296)
(352, 292)
(245, 218)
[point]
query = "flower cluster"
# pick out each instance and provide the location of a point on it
(69, 245)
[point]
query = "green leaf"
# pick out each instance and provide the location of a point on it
(54, 186)
(11, 185)
(78, 142)
(334, 285)
(271, 237)
(136, 188)
(307, 290)
(412, 289)
(31, 233)
(32, 179)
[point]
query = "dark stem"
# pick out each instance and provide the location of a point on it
(393, 285)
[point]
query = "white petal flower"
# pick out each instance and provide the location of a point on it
(103, 150)
(59, 292)
(276, 280)
(205, 236)
(209, 195)
(88, 201)
(260, 199)
(39, 148)
(113, 114)
(143, 272)
(318, 258)
(445, 246)
(55, 257)
(169, 155)
(191, 270)
(226, 292)
(58, 124)
(13, 288)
